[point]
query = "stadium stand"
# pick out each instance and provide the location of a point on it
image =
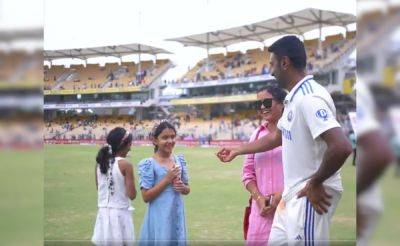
(94, 76)
(238, 126)
(89, 128)
(20, 67)
(255, 61)
(234, 64)
(209, 104)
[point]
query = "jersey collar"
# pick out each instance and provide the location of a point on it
(289, 97)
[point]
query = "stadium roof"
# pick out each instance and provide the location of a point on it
(293, 23)
(23, 34)
(115, 50)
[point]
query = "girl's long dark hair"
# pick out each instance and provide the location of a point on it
(114, 141)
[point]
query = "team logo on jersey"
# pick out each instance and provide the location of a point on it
(322, 114)
(290, 116)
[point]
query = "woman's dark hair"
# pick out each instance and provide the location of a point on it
(117, 139)
(158, 130)
(277, 92)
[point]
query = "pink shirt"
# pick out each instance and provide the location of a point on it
(264, 168)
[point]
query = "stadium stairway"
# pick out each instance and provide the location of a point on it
(106, 83)
(339, 59)
(67, 76)
(157, 78)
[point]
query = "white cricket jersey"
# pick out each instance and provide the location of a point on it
(309, 111)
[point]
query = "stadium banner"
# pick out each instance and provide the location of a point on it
(93, 91)
(215, 99)
(92, 105)
(229, 81)
(186, 143)
(348, 86)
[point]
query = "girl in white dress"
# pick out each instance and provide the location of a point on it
(115, 188)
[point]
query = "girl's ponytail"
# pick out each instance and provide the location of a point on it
(103, 158)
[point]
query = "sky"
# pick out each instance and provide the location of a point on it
(89, 23)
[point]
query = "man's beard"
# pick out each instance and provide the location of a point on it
(281, 83)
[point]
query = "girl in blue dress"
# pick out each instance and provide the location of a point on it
(163, 181)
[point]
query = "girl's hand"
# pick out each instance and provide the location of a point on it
(173, 173)
(179, 186)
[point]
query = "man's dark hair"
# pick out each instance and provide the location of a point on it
(293, 48)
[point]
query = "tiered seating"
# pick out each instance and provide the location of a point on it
(94, 76)
(234, 64)
(333, 47)
(85, 127)
(255, 61)
(156, 70)
(21, 68)
(51, 75)
(8, 62)
(21, 131)
(219, 128)
(90, 127)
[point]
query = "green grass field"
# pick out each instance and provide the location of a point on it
(214, 208)
(388, 228)
(21, 192)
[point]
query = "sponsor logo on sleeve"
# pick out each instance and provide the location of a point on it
(322, 114)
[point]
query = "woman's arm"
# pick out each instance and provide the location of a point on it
(248, 172)
(262, 201)
(252, 188)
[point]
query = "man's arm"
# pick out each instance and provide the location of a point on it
(373, 156)
(338, 150)
(265, 143)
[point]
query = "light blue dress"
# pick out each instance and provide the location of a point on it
(164, 221)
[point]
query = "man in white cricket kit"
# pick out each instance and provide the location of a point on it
(314, 148)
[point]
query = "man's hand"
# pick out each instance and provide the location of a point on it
(316, 194)
(226, 154)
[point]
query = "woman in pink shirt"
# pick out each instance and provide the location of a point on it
(262, 172)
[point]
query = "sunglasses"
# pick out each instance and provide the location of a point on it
(266, 102)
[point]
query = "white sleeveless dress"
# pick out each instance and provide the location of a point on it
(114, 224)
